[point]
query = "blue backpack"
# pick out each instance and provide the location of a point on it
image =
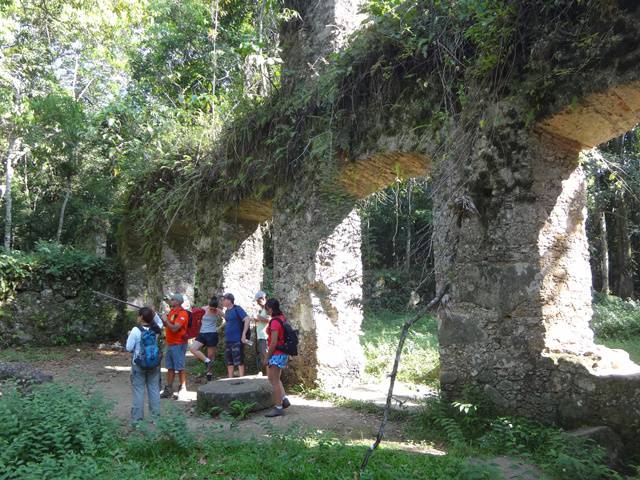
(149, 356)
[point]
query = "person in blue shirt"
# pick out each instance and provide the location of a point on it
(236, 324)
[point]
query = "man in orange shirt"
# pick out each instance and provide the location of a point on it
(176, 327)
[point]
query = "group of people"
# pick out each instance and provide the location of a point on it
(143, 342)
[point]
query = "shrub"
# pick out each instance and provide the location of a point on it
(474, 426)
(51, 428)
(614, 317)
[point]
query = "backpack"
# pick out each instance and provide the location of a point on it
(290, 346)
(195, 323)
(149, 356)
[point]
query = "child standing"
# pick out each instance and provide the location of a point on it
(142, 342)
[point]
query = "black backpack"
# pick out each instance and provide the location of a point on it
(290, 346)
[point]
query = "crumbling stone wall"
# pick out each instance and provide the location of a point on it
(318, 277)
(230, 258)
(59, 311)
(517, 322)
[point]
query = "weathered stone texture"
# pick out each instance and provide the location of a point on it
(248, 390)
(517, 325)
(318, 277)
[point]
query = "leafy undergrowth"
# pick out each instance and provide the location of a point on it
(59, 432)
(420, 360)
(473, 429)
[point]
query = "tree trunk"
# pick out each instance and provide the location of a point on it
(394, 242)
(215, 12)
(14, 145)
(407, 258)
(623, 275)
(62, 211)
(604, 252)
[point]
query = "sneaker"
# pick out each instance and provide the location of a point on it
(286, 403)
(167, 392)
(276, 412)
(182, 395)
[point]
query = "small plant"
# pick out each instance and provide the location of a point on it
(240, 410)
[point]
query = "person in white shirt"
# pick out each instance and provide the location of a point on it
(143, 379)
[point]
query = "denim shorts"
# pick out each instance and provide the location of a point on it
(279, 360)
(234, 353)
(174, 360)
(209, 339)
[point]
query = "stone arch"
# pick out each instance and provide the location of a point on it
(517, 324)
(318, 264)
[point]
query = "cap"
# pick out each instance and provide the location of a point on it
(177, 297)
(229, 296)
(259, 294)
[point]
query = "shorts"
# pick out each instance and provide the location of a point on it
(262, 350)
(234, 353)
(279, 360)
(209, 339)
(174, 359)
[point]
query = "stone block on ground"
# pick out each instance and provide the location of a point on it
(23, 372)
(606, 438)
(250, 389)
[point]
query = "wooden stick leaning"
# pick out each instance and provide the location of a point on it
(394, 372)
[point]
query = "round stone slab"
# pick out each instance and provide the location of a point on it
(250, 389)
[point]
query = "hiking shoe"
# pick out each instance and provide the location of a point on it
(167, 392)
(276, 412)
(286, 403)
(182, 395)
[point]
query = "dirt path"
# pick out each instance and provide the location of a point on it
(108, 372)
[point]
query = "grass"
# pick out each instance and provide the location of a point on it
(616, 323)
(629, 345)
(420, 359)
(31, 354)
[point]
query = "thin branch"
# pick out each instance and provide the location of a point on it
(403, 336)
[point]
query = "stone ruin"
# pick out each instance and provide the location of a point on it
(516, 321)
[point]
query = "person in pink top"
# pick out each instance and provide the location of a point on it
(275, 359)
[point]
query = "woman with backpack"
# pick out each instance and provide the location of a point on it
(276, 359)
(142, 342)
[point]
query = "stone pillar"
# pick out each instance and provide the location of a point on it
(318, 279)
(230, 259)
(319, 29)
(520, 300)
(178, 273)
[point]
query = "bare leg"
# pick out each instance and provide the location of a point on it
(211, 352)
(241, 370)
(230, 371)
(274, 379)
(195, 350)
(170, 376)
(183, 378)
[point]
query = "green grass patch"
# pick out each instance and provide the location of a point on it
(420, 362)
(629, 345)
(616, 323)
(31, 354)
